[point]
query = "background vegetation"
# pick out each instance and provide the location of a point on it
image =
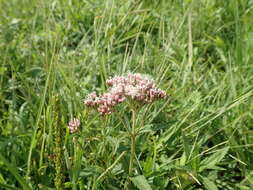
(200, 52)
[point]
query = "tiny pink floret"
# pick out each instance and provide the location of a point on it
(134, 86)
(74, 125)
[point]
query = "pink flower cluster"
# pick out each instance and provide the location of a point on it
(134, 86)
(74, 125)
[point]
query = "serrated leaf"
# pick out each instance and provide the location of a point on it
(146, 129)
(214, 159)
(141, 182)
(209, 185)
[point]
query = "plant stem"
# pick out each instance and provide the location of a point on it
(133, 136)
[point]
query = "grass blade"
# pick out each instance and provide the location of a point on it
(15, 173)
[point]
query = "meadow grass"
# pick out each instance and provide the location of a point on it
(199, 52)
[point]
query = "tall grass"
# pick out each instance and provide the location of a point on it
(200, 52)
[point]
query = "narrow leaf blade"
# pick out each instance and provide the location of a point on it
(214, 159)
(15, 173)
(209, 185)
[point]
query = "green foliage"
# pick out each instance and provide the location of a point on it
(141, 182)
(200, 138)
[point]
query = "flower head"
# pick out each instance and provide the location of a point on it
(133, 86)
(91, 99)
(74, 125)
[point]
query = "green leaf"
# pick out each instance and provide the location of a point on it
(148, 165)
(6, 186)
(187, 146)
(209, 185)
(183, 159)
(2, 179)
(212, 160)
(15, 173)
(2, 70)
(141, 182)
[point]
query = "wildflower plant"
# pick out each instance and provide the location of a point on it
(136, 91)
(134, 87)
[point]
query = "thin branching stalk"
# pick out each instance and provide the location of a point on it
(111, 167)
